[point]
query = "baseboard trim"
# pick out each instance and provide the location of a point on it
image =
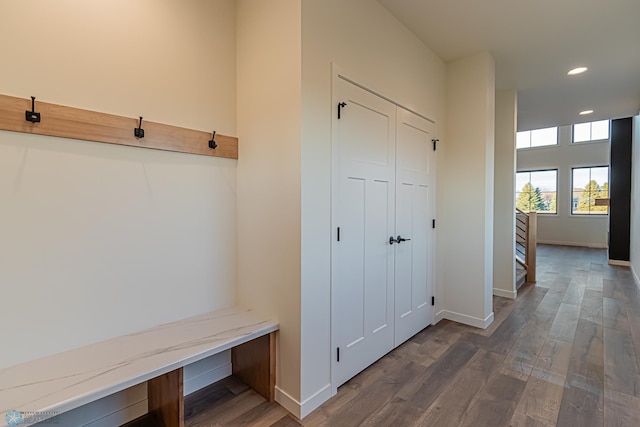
(467, 320)
(117, 418)
(287, 402)
(302, 409)
(505, 294)
(578, 244)
(634, 273)
(619, 263)
(207, 378)
(317, 399)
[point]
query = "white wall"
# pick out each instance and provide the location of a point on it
(171, 62)
(373, 48)
(468, 170)
(100, 240)
(635, 202)
(504, 270)
(269, 82)
(284, 172)
(564, 228)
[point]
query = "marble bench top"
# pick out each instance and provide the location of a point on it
(67, 380)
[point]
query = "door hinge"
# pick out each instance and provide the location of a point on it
(433, 300)
(341, 105)
(338, 353)
(433, 223)
(338, 234)
(435, 141)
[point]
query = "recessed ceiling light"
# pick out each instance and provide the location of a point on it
(585, 112)
(578, 70)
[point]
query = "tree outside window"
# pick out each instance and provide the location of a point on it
(590, 184)
(536, 191)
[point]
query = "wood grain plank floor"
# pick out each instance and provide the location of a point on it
(452, 405)
(566, 352)
(583, 398)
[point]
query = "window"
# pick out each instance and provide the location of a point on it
(592, 131)
(537, 191)
(537, 138)
(589, 185)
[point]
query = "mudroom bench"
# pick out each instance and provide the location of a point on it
(61, 382)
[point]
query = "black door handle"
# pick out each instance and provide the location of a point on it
(398, 240)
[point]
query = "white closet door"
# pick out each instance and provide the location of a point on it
(414, 216)
(364, 211)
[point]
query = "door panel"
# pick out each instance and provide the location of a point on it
(367, 144)
(414, 214)
(422, 262)
(378, 275)
(404, 216)
(363, 209)
(352, 264)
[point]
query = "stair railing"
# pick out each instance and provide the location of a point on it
(526, 230)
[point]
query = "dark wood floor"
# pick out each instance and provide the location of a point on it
(564, 353)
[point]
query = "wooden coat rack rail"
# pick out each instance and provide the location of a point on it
(74, 123)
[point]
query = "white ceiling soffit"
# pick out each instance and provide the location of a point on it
(534, 44)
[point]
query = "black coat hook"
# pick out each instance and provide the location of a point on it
(139, 132)
(32, 116)
(212, 142)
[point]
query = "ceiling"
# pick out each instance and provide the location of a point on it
(534, 44)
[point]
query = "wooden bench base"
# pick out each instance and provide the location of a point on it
(166, 398)
(252, 362)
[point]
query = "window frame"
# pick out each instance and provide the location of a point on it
(547, 213)
(590, 141)
(530, 131)
(600, 214)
